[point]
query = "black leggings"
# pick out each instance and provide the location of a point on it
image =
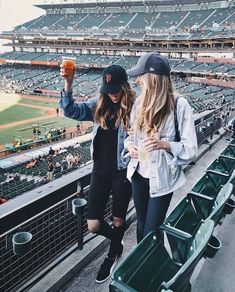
(102, 184)
(150, 212)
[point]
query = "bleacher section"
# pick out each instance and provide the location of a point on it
(198, 23)
(16, 178)
(27, 79)
(166, 20)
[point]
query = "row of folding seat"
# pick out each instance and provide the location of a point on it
(150, 267)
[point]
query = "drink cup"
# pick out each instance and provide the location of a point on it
(143, 155)
(69, 66)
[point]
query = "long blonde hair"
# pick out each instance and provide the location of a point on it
(156, 103)
(122, 114)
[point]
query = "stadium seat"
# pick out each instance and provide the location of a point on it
(222, 164)
(149, 267)
(229, 151)
(180, 227)
(211, 207)
(210, 183)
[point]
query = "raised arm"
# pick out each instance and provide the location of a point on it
(79, 111)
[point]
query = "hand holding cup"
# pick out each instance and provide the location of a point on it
(67, 71)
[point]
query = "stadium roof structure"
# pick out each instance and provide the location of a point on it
(116, 3)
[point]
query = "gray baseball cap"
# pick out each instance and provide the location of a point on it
(151, 63)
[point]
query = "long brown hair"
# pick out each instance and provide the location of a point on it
(122, 114)
(156, 103)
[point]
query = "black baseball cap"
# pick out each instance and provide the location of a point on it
(151, 62)
(113, 78)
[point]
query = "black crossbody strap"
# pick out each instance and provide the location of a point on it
(177, 133)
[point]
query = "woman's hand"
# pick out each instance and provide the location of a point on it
(154, 143)
(133, 151)
(68, 80)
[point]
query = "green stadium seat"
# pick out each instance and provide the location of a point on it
(210, 183)
(229, 151)
(222, 164)
(149, 267)
(180, 227)
(229, 163)
(211, 207)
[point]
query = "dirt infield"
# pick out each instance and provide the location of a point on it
(40, 98)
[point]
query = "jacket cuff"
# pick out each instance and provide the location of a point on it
(66, 94)
(176, 148)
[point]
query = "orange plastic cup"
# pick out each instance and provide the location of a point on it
(69, 65)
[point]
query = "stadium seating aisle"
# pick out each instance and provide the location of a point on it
(85, 280)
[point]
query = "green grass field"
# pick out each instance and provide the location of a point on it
(6, 135)
(17, 113)
(11, 111)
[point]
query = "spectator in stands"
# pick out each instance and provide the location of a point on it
(77, 145)
(40, 158)
(44, 180)
(31, 164)
(17, 176)
(51, 151)
(57, 166)
(69, 159)
(50, 169)
(64, 164)
(62, 150)
(56, 152)
(76, 159)
(157, 149)
(110, 112)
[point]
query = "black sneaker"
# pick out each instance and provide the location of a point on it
(106, 270)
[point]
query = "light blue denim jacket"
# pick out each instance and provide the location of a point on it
(84, 111)
(165, 169)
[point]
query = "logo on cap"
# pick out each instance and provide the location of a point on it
(108, 78)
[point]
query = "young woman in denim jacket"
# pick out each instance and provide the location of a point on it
(110, 113)
(155, 169)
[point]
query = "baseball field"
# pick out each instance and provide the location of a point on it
(19, 114)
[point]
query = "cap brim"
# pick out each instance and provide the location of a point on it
(135, 71)
(110, 89)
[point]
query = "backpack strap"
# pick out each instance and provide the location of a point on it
(177, 133)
